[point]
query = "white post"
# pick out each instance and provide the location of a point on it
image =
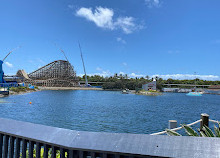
(172, 124)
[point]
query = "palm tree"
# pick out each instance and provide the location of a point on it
(147, 77)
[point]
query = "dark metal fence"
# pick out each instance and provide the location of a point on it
(22, 139)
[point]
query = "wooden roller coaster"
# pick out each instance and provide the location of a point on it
(59, 73)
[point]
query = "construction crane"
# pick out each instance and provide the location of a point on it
(1, 62)
(83, 66)
(62, 52)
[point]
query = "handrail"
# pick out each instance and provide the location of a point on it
(213, 121)
(178, 128)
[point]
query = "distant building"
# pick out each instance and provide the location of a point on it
(177, 90)
(214, 87)
(150, 86)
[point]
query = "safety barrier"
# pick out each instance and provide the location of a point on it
(22, 139)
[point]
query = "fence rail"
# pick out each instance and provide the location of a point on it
(178, 128)
(16, 138)
(203, 121)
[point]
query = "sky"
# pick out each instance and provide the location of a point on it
(165, 38)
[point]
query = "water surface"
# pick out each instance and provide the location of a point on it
(108, 111)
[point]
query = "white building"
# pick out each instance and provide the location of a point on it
(150, 86)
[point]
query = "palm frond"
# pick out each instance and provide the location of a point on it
(217, 131)
(190, 131)
(208, 131)
(172, 133)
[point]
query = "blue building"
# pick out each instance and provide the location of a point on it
(1, 73)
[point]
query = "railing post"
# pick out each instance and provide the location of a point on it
(205, 120)
(31, 147)
(38, 149)
(1, 144)
(45, 151)
(12, 146)
(24, 148)
(172, 124)
(17, 148)
(53, 154)
(5, 152)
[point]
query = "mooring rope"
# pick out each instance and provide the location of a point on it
(178, 128)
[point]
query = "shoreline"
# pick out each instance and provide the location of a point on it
(23, 92)
(50, 88)
(69, 88)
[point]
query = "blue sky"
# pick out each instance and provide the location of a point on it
(168, 38)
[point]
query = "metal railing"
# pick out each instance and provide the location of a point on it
(22, 139)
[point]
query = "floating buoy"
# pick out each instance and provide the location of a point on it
(30, 102)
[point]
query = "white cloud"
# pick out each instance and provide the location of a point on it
(124, 63)
(121, 73)
(104, 73)
(8, 64)
(126, 24)
(119, 39)
(188, 76)
(153, 3)
(103, 18)
(107, 73)
(99, 69)
(70, 6)
(134, 75)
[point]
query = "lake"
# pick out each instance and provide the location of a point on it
(108, 111)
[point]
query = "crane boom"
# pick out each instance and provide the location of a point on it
(62, 52)
(83, 65)
(10, 52)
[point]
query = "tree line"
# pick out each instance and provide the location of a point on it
(123, 81)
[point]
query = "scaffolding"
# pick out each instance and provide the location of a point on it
(58, 73)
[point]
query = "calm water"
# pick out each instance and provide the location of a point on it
(108, 111)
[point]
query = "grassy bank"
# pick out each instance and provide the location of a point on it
(18, 90)
(149, 93)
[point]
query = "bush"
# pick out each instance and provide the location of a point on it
(18, 89)
(42, 153)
